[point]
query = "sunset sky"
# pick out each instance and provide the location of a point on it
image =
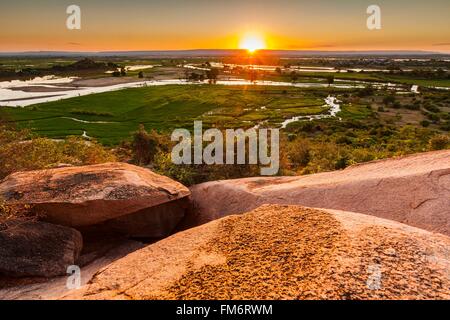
(27, 25)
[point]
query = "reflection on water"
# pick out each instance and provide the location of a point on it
(18, 98)
(12, 96)
(330, 102)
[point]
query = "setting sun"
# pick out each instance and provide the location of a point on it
(252, 42)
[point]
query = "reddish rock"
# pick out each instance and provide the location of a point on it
(29, 248)
(414, 190)
(89, 195)
(283, 252)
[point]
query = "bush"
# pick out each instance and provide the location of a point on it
(9, 212)
(6, 211)
(412, 106)
(396, 105)
(146, 145)
(19, 151)
(186, 174)
(342, 162)
(389, 100)
(439, 142)
(91, 113)
(433, 117)
(425, 123)
(433, 109)
(367, 91)
(300, 152)
(445, 126)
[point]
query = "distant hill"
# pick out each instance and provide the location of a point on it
(85, 64)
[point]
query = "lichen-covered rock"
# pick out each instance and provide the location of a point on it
(89, 195)
(283, 252)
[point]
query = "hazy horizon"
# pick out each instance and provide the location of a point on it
(200, 50)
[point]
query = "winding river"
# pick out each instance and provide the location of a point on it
(11, 94)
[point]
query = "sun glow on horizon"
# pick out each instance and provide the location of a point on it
(252, 42)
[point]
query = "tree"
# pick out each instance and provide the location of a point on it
(140, 75)
(123, 72)
(294, 76)
(278, 70)
(212, 75)
(441, 73)
(389, 100)
(425, 123)
(252, 75)
(193, 77)
(330, 80)
(145, 145)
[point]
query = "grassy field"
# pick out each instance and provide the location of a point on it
(374, 77)
(111, 117)
(114, 115)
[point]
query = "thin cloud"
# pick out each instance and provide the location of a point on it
(441, 44)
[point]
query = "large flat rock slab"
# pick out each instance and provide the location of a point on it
(88, 195)
(414, 190)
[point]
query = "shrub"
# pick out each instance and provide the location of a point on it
(300, 152)
(439, 142)
(433, 109)
(367, 91)
(396, 105)
(425, 123)
(433, 117)
(389, 100)
(19, 151)
(162, 164)
(145, 145)
(344, 140)
(412, 106)
(9, 212)
(445, 126)
(342, 162)
(91, 113)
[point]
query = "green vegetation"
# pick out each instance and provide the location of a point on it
(114, 115)
(373, 123)
(22, 151)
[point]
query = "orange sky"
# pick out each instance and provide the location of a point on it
(200, 24)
